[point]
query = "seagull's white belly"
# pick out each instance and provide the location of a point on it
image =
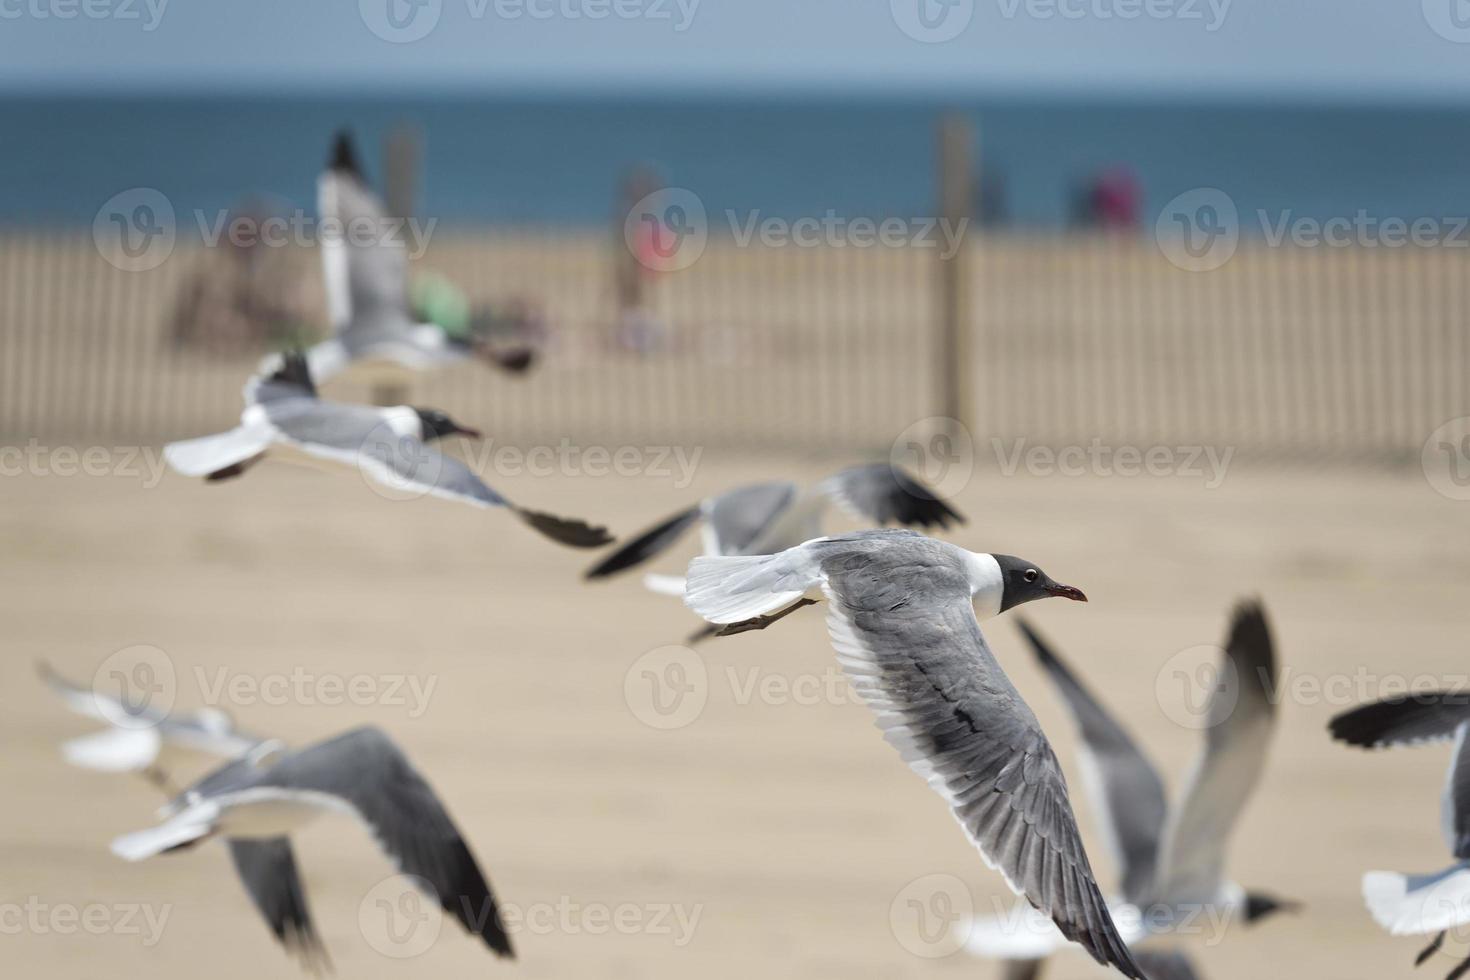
(273, 816)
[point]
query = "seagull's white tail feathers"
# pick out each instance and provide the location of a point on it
(186, 829)
(733, 589)
(1411, 905)
(210, 454)
(664, 584)
(114, 750)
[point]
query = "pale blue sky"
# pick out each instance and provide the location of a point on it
(1292, 48)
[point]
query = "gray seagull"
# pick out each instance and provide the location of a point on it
(257, 801)
(1171, 861)
(1436, 902)
(763, 518)
(388, 445)
(365, 269)
(903, 616)
(151, 742)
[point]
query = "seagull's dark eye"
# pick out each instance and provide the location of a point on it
(1031, 575)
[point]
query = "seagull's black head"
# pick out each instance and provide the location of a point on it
(1259, 905)
(1024, 581)
(437, 425)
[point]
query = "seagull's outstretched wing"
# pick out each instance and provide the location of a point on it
(1126, 791)
(1410, 720)
(358, 436)
(739, 518)
(366, 266)
(651, 542)
(901, 620)
(267, 869)
(368, 772)
(880, 493)
(1240, 720)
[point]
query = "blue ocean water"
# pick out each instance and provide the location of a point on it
(559, 161)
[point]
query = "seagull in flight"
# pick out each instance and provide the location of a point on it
(140, 739)
(763, 518)
(151, 742)
(388, 445)
(365, 268)
(1171, 860)
(1436, 902)
(257, 801)
(903, 615)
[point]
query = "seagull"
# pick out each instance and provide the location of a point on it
(365, 267)
(258, 800)
(142, 740)
(763, 518)
(151, 742)
(389, 445)
(1415, 905)
(903, 616)
(1171, 860)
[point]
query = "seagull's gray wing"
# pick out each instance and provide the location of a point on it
(282, 376)
(267, 869)
(1241, 717)
(365, 267)
(904, 628)
(652, 542)
(82, 700)
(1433, 716)
(880, 493)
(359, 436)
(1455, 807)
(737, 518)
(1166, 964)
(364, 769)
(1127, 793)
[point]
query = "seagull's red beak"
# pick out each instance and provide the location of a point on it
(471, 433)
(1066, 592)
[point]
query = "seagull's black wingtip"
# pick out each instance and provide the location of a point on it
(570, 532)
(344, 154)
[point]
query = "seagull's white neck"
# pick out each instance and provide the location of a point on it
(987, 585)
(404, 421)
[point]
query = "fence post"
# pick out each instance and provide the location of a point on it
(956, 363)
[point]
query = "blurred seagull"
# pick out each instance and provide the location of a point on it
(257, 801)
(903, 616)
(366, 273)
(763, 518)
(139, 739)
(389, 445)
(1414, 905)
(150, 743)
(1171, 860)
